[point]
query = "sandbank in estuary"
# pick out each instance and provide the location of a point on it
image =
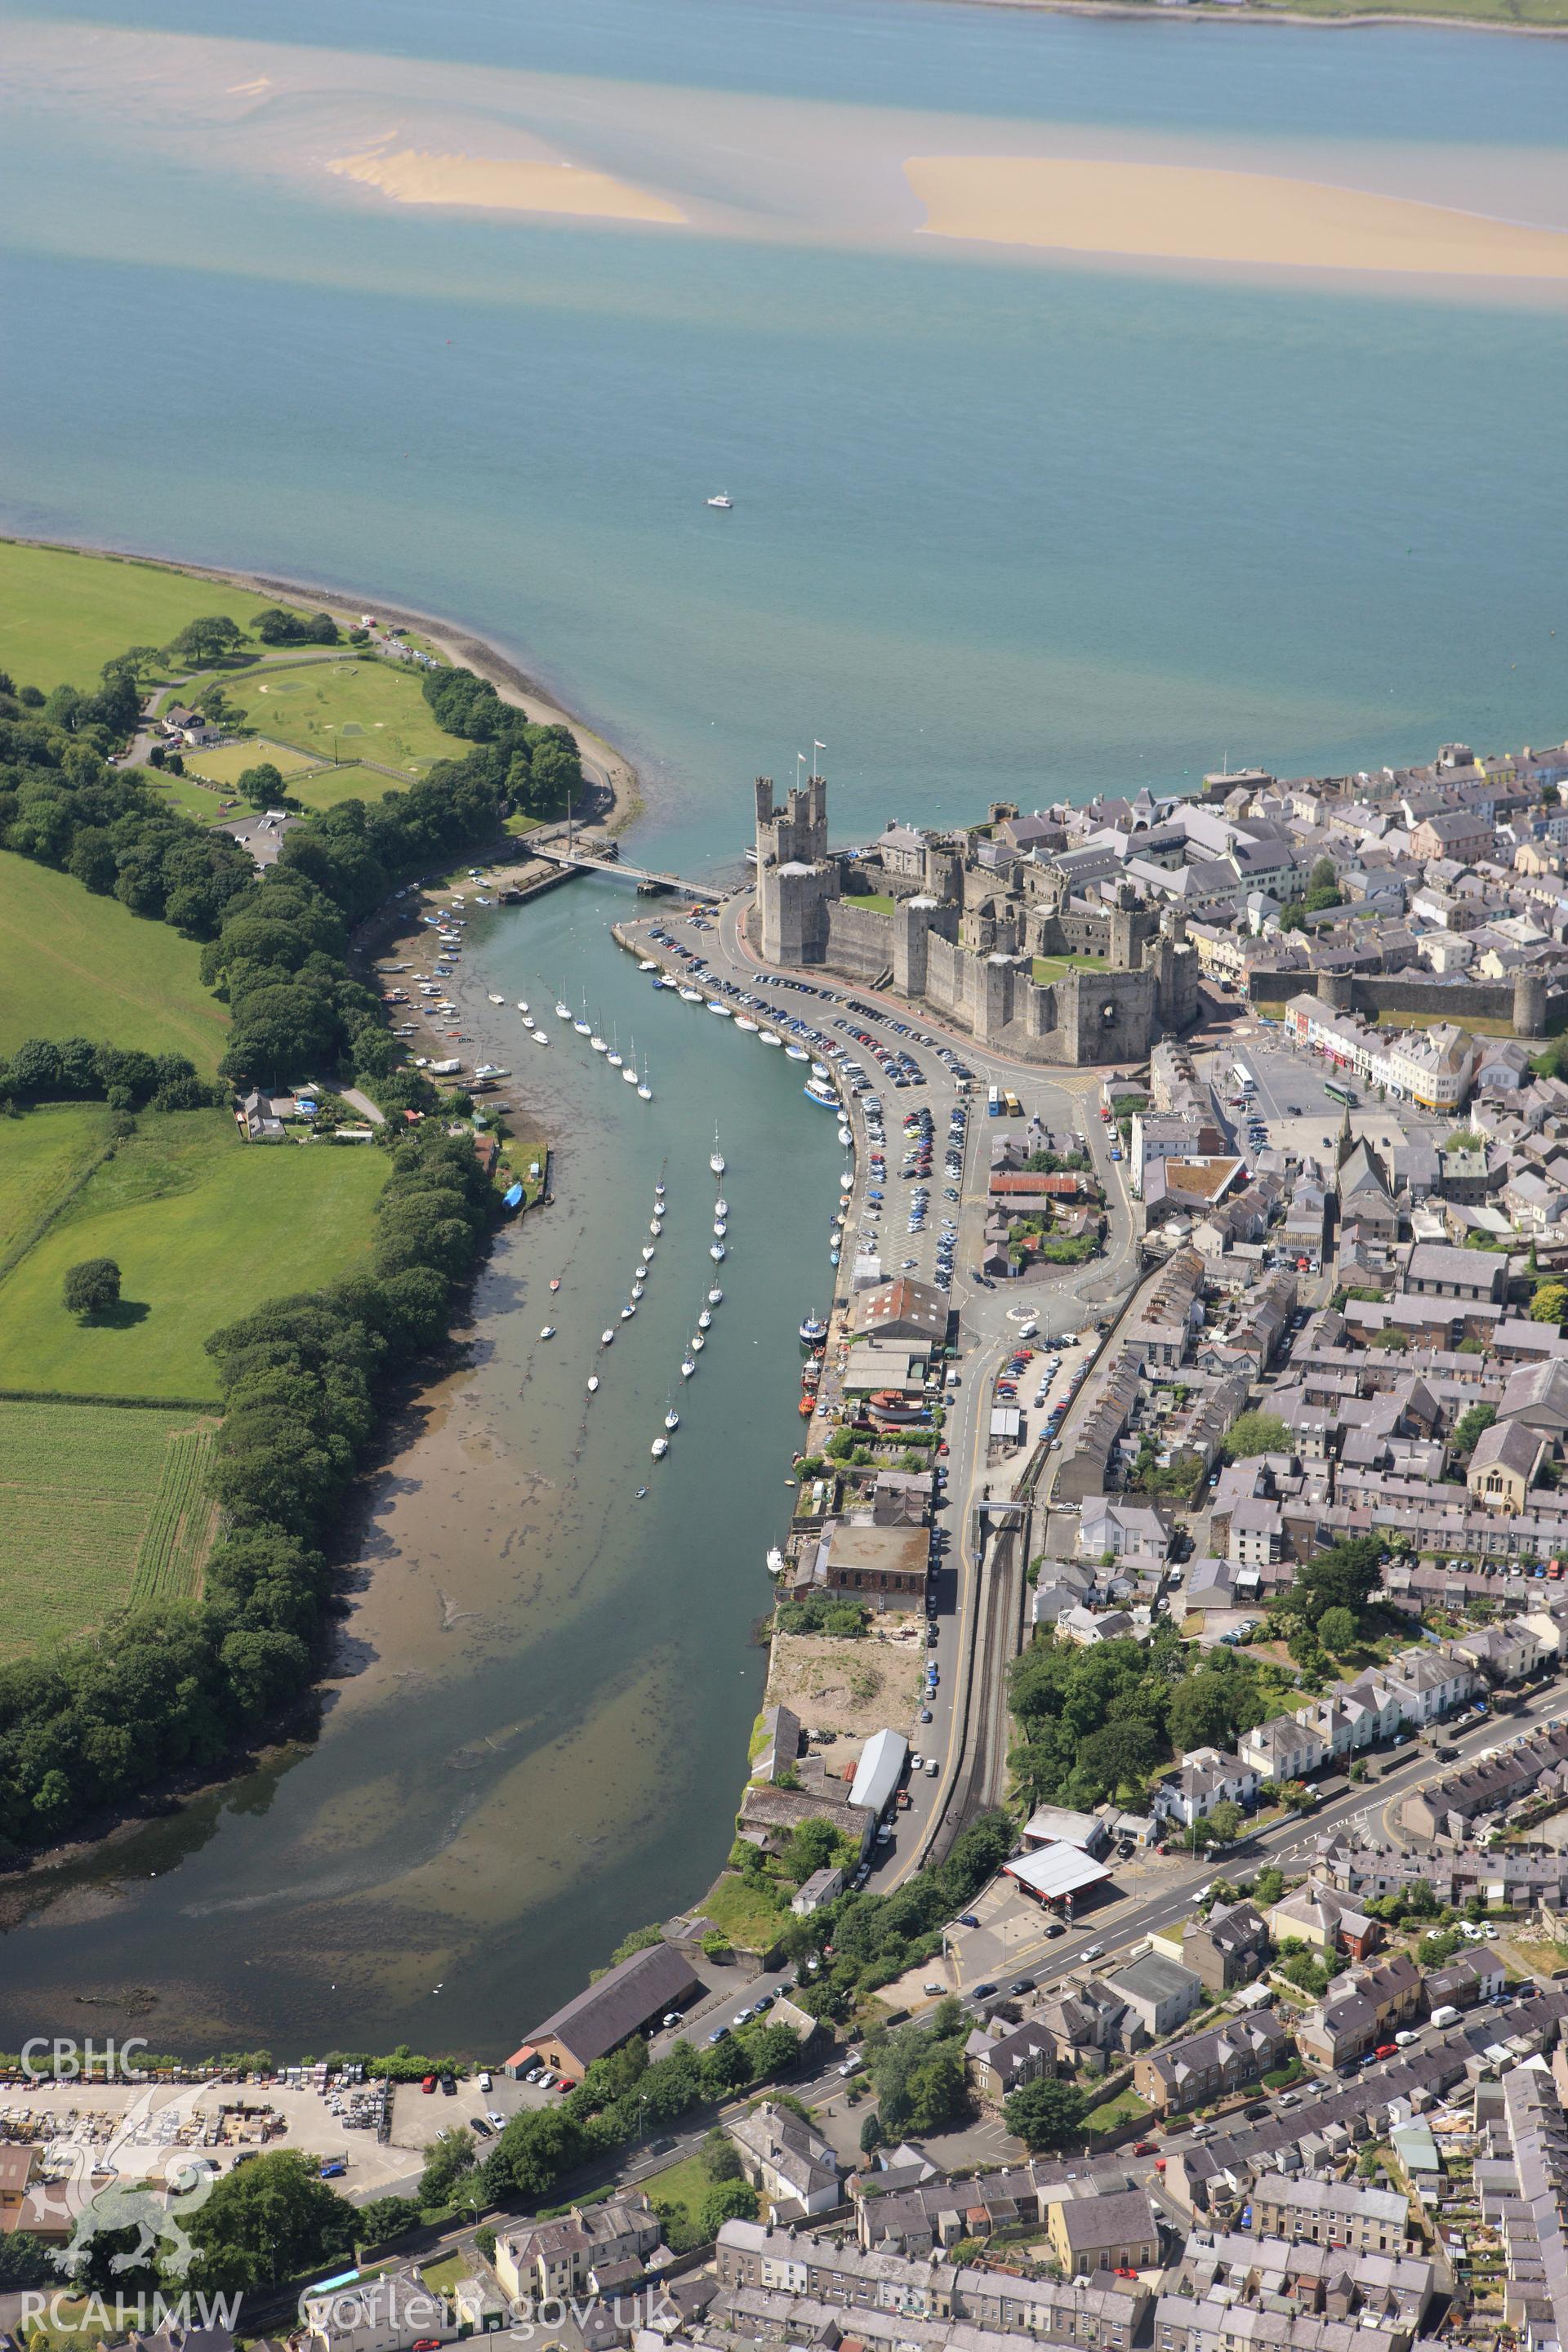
(505, 183)
(1183, 213)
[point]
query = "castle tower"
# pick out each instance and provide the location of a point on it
(1125, 942)
(1529, 1004)
(1337, 990)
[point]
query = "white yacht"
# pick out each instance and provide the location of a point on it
(644, 1092)
(671, 1418)
(721, 1228)
(613, 1053)
(705, 1320)
(686, 1367)
(769, 1038)
(522, 1005)
(720, 1206)
(496, 1000)
(716, 1252)
(600, 1045)
(548, 1332)
(562, 1009)
(585, 1027)
(714, 1296)
(538, 1037)
(741, 1022)
(648, 1253)
(716, 1158)
(528, 1020)
(656, 1226)
(722, 501)
(698, 1343)
(606, 1337)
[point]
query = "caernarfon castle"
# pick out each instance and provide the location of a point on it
(967, 922)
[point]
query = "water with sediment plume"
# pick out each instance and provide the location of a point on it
(1005, 524)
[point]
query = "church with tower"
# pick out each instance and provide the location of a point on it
(994, 944)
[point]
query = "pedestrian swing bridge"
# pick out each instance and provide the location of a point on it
(562, 855)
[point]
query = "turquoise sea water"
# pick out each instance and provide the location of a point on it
(1002, 528)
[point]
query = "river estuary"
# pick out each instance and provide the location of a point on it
(1006, 523)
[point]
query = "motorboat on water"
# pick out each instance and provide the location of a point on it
(495, 999)
(647, 1252)
(562, 1009)
(716, 1158)
(692, 996)
(641, 1492)
(722, 501)
(671, 1418)
(797, 1053)
(775, 1562)
(594, 1385)
(658, 1186)
(705, 1320)
(656, 1226)
(659, 1448)
(629, 1311)
(522, 1005)
(819, 1091)
(647, 964)
(698, 1343)
(548, 1332)
(538, 1037)
(528, 1020)
(721, 1009)
(741, 1022)
(605, 1336)
(717, 1252)
(847, 1182)
(812, 1328)
(720, 1206)
(637, 1290)
(719, 1228)
(714, 1296)
(686, 1367)
(769, 1038)
(555, 1282)
(820, 1070)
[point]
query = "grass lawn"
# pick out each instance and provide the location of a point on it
(1125, 2108)
(1053, 967)
(323, 788)
(62, 616)
(72, 965)
(442, 2277)
(206, 803)
(680, 2190)
(96, 1502)
(224, 763)
(40, 1154)
(750, 1912)
(203, 1227)
(372, 709)
(873, 902)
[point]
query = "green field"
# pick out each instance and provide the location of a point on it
(364, 709)
(206, 803)
(63, 615)
(72, 965)
(85, 1491)
(323, 788)
(40, 1154)
(224, 763)
(203, 1227)
(872, 902)
(179, 1529)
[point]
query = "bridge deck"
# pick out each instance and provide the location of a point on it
(705, 891)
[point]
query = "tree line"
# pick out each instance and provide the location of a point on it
(539, 766)
(170, 1688)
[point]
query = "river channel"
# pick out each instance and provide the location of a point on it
(536, 1733)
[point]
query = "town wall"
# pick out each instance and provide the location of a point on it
(1370, 994)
